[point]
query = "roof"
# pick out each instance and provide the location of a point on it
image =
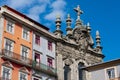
(103, 65)
(26, 17)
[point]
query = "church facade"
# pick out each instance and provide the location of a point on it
(75, 50)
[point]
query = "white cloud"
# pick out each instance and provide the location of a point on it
(44, 1)
(35, 12)
(58, 7)
(52, 15)
(19, 3)
(35, 17)
(35, 8)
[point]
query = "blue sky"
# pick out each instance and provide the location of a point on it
(103, 15)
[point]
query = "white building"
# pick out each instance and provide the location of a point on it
(44, 57)
(104, 71)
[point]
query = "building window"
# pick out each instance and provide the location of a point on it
(10, 26)
(49, 45)
(67, 72)
(8, 49)
(50, 62)
(81, 72)
(8, 45)
(6, 73)
(37, 57)
(37, 39)
(23, 76)
(111, 73)
(24, 53)
(25, 34)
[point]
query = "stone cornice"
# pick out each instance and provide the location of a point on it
(91, 51)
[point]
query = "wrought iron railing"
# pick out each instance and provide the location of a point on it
(15, 57)
(3, 78)
(26, 61)
(44, 68)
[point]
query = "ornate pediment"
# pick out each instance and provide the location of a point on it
(79, 34)
(81, 37)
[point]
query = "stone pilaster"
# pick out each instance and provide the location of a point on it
(60, 70)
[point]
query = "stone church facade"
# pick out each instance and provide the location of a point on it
(76, 49)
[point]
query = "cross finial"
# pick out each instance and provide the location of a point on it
(79, 12)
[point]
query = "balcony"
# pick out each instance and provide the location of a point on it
(44, 68)
(2, 78)
(17, 58)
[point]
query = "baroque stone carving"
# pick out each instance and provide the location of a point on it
(81, 38)
(68, 61)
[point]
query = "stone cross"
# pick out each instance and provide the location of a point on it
(79, 12)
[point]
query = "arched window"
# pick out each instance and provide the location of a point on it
(67, 72)
(81, 72)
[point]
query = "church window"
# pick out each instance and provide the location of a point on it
(67, 72)
(81, 71)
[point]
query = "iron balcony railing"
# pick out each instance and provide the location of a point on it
(45, 68)
(38, 67)
(3, 78)
(16, 57)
